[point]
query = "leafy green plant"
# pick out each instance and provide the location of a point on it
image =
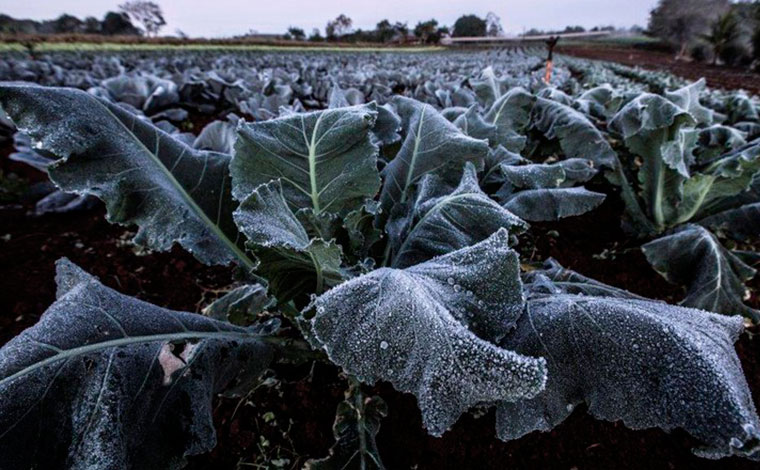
(405, 275)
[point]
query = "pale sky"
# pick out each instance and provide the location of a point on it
(212, 18)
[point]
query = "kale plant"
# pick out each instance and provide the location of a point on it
(396, 268)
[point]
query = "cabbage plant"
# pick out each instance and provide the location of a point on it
(405, 274)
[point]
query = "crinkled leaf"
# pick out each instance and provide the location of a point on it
(538, 205)
(241, 305)
(446, 223)
(577, 136)
(360, 226)
(510, 115)
(646, 363)
(432, 145)
(653, 129)
(387, 124)
(688, 98)
(553, 279)
(717, 140)
(291, 261)
(173, 193)
(108, 381)
(410, 327)
(218, 136)
(714, 276)
(551, 175)
(471, 123)
(326, 160)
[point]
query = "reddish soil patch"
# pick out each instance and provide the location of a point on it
(717, 76)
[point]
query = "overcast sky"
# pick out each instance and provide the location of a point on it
(232, 17)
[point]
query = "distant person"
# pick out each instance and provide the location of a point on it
(550, 44)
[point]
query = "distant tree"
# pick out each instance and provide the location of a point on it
(681, 22)
(91, 25)
(401, 29)
(338, 27)
(575, 29)
(65, 24)
(493, 25)
(385, 31)
(723, 32)
(296, 33)
(534, 32)
(118, 24)
(148, 14)
(469, 26)
(316, 36)
(180, 34)
(427, 32)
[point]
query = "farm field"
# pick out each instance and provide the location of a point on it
(717, 76)
(474, 267)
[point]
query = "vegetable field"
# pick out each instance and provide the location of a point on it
(367, 260)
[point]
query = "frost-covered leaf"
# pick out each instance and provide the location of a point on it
(552, 279)
(173, 193)
(25, 152)
(357, 422)
(646, 363)
(548, 175)
(601, 102)
(741, 223)
(717, 140)
(387, 124)
(538, 205)
(510, 115)
(241, 305)
(432, 145)
(291, 261)
(577, 136)
(361, 230)
(108, 381)
(218, 136)
(471, 123)
(658, 132)
(444, 223)
(326, 160)
(414, 328)
(714, 276)
(688, 98)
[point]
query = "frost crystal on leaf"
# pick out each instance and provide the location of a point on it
(422, 320)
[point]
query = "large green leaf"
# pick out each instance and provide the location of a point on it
(510, 115)
(657, 131)
(576, 135)
(714, 276)
(173, 193)
(290, 260)
(539, 205)
(442, 223)
(107, 381)
(326, 160)
(646, 363)
(414, 328)
(432, 145)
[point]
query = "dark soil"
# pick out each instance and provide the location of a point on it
(289, 417)
(728, 78)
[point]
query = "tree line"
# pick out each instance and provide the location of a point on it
(426, 32)
(134, 18)
(718, 31)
